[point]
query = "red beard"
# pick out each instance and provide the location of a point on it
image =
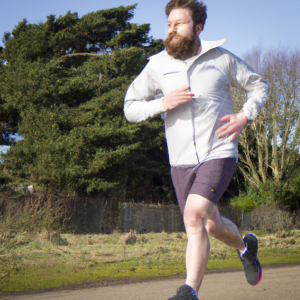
(183, 48)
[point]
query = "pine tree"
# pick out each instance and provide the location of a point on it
(67, 79)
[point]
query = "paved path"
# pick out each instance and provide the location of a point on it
(281, 283)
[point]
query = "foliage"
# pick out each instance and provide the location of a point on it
(284, 194)
(270, 145)
(31, 213)
(66, 80)
(70, 34)
(8, 113)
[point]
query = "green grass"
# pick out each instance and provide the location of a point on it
(33, 262)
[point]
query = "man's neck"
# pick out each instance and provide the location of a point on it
(197, 46)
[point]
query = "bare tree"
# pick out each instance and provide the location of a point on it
(270, 145)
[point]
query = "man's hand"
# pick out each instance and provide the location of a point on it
(234, 126)
(177, 97)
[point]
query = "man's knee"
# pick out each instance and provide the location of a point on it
(193, 220)
(197, 210)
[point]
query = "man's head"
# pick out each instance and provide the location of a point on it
(186, 19)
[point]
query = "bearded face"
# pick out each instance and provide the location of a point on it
(180, 47)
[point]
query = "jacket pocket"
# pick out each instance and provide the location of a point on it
(171, 72)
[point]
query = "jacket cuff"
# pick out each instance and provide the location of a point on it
(248, 115)
(161, 105)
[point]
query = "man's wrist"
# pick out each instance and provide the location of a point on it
(248, 119)
(244, 118)
(164, 104)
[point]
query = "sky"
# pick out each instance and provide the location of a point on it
(244, 24)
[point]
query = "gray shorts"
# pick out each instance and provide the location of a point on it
(210, 180)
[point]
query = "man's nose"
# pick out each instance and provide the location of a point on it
(172, 28)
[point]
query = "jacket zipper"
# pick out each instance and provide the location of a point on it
(194, 137)
(193, 123)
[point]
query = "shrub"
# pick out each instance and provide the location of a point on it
(271, 219)
(283, 194)
(61, 213)
(30, 213)
(52, 237)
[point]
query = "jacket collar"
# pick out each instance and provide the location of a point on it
(205, 47)
(208, 45)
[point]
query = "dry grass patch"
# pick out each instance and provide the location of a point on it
(129, 238)
(37, 261)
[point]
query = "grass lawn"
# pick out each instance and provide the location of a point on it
(35, 262)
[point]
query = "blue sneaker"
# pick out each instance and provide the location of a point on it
(185, 292)
(250, 261)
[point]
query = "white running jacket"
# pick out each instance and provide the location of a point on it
(190, 128)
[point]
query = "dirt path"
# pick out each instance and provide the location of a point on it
(278, 283)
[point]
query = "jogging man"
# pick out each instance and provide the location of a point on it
(194, 78)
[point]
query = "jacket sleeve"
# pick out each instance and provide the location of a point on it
(140, 103)
(243, 77)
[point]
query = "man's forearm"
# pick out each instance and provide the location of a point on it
(141, 110)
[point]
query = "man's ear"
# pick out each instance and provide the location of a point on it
(199, 28)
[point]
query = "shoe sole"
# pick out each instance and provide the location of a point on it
(260, 273)
(260, 269)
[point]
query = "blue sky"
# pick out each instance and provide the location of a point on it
(244, 24)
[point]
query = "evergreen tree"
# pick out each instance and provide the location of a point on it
(66, 79)
(8, 113)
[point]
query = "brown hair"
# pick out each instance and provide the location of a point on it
(197, 9)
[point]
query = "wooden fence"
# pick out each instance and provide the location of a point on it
(150, 218)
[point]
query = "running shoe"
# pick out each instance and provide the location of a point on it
(185, 292)
(250, 261)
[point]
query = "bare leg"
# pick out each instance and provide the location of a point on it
(224, 230)
(197, 210)
(201, 217)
